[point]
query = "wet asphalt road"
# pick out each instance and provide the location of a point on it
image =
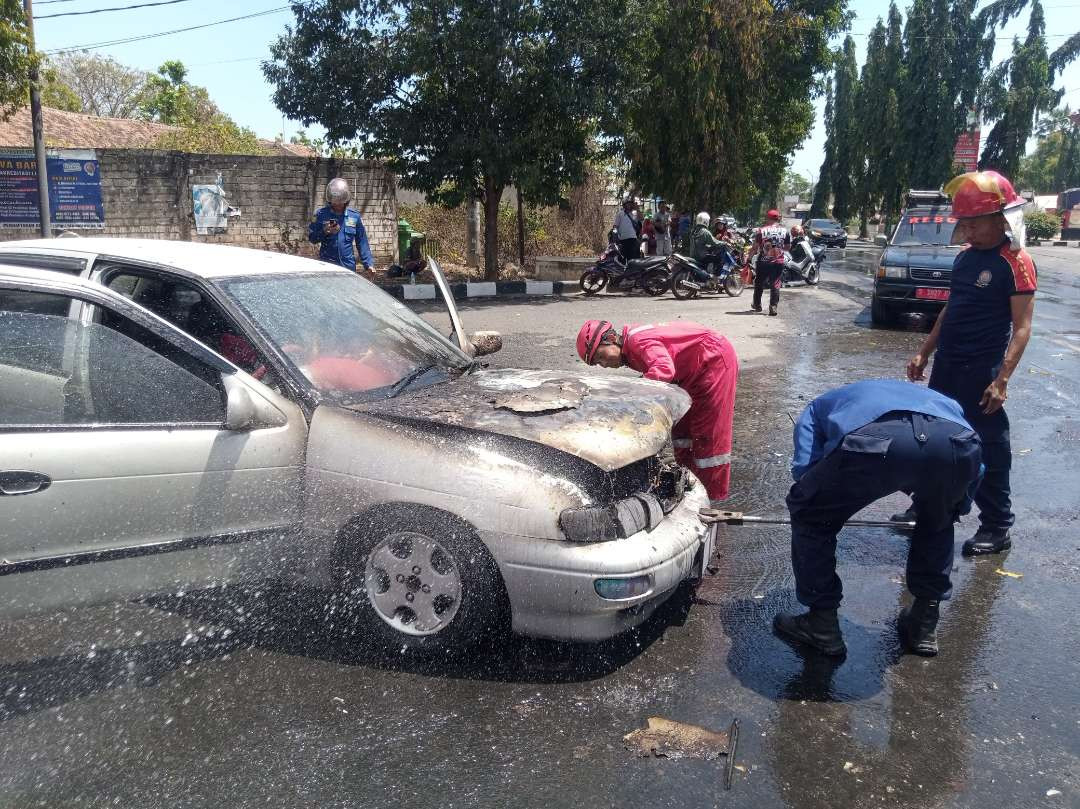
(206, 701)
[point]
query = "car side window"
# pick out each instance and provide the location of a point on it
(191, 310)
(103, 377)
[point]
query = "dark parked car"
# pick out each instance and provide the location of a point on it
(915, 270)
(828, 232)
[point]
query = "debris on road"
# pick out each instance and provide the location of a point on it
(1009, 573)
(666, 738)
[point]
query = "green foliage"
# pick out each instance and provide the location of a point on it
(217, 135)
(1042, 225)
(16, 60)
(820, 205)
(169, 98)
(1029, 93)
(729, 97)
(461, 98)
(794, 184)
(1054, 164)
(846, 132)
(324, 149)
(55, 92)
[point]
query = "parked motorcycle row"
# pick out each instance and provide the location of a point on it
(728, 269)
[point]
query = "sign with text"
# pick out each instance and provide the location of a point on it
(74, 189)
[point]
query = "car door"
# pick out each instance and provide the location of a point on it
(118, 472)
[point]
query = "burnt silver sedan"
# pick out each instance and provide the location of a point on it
(177, 415)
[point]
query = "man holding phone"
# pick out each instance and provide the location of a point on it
(336, 227)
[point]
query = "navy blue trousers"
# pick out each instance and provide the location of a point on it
(933, 459)
(965, 382)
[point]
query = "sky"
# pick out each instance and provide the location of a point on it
(225, 58)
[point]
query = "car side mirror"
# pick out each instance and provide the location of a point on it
(245, 410)
(881, 240)
(482, 343)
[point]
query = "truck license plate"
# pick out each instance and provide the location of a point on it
(932, 294)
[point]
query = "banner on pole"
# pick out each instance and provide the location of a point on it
(74, 189)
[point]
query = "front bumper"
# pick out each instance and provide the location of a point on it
(902, 296)
(551, 583)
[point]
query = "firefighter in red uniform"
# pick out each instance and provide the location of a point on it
(697, 359)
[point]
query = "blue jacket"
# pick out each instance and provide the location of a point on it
(830, 417)
(338, 249)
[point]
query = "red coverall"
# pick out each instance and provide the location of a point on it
(703, 363)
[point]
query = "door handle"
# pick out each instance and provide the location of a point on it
(17, 481)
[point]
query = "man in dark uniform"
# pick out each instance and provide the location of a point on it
(336, 227)
(981, 335)
(855, 445)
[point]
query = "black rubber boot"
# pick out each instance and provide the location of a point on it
(918, 627)
(755, 307)
(772, 311)
(987, 540)
(817, 628)
(904, 516)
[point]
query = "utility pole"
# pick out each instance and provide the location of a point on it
(39, 129)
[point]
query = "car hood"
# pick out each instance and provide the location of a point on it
(610, 421)
(935, 257)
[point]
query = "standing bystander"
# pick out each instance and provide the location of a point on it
(771, 241)
(662, 225)
(626, 231)
(336, 227)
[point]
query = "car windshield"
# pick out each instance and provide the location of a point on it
(349, 339)
(928, 229)
(824, 223)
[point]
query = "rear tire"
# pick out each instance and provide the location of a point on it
(655, 283)
(683, 293)
(593, 282)
(733, 284)
(414, 578)
(881, 314)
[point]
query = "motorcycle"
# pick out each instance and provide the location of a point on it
(651, 274)
(804, 263)
(720, 272)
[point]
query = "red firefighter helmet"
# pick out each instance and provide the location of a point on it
(589, 338)
(979, 193)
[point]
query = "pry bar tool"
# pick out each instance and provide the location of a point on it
(713, 515)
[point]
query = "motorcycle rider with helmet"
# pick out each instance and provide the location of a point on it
(704, 244)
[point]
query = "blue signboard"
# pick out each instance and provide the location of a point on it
(74, 189)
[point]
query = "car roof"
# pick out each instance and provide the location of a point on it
(197, 258)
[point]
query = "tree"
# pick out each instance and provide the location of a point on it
(1015, 108)
(1042, 170)
(845, 133)
(795, 185)
(820, 205)
(169, 98)
(731, 98)
(16, 60)
(458, 96)
(56, 93)
(103, 86)
(217, 135)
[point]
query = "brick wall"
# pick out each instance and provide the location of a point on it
(147, 194)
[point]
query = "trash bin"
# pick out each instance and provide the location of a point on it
(404, 238)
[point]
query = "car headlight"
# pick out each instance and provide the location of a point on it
(891, 272)
(620, 520)
(815, 233)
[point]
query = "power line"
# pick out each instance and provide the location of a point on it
(109, 43)
(102, 10)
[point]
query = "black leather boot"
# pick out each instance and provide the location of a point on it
(918, 627)
(772, 311)
(817, 628)
(904, 516)
(987, 540)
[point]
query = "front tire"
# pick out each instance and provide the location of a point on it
(414, 578)
(593, 282)
(813, 275)
(655, 283)
(733, 284)
(881, 314)
(678, 288)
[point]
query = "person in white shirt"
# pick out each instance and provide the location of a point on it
(627, 232)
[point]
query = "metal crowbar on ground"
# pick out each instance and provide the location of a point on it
(712, 516)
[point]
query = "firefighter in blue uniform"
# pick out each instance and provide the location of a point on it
(855, 445)
(336, 227)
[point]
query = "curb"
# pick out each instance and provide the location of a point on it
(1051, 243)
(483, 289)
